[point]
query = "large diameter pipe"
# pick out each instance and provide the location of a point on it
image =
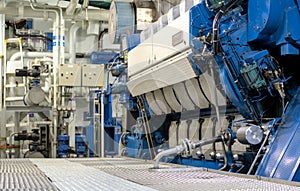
(26, 54)
(93, 15)
(72, 44)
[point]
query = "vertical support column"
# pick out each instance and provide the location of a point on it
(53, 133)
(102, 129)
(2, 62)
(16, 129)
(72, 129)
(55, 85)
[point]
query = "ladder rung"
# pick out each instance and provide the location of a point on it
(14, 85)
(14, 99)
(13, 40)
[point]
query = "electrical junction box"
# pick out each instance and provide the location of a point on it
(69, 75)
(93, 75)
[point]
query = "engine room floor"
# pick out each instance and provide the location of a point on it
(124, 174)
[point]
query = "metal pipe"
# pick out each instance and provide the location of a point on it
(2, 37)
(55, 48)
(1, 72)
(93, 14)
(2, 62)
(225, 156)
(56, 52)
(185, 146)
(102, 125)
(72, 44)
(27, 54)
(72, 7)
(206, 141)
(176, 150)
(10, 142)
(215, 120)
(26, 12)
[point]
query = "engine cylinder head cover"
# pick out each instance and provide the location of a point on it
(250, 135)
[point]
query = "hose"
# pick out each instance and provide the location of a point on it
(216, 24)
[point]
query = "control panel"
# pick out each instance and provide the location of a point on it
(70, 75)
(93, 75)
(86, 75)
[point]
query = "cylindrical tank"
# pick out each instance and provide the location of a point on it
(250, 135)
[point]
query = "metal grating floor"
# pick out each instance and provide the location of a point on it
(176, 177)
(21, 174)
(123, 174)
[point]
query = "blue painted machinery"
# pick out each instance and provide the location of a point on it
(81, 145)
(112, 126)
(212, 84)
(63, 150)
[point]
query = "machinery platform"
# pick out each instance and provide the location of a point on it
(124, 174)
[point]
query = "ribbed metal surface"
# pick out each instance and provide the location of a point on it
(180, 178)
(21, 174)
(68, 176)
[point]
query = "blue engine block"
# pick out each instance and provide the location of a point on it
(254, 47)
